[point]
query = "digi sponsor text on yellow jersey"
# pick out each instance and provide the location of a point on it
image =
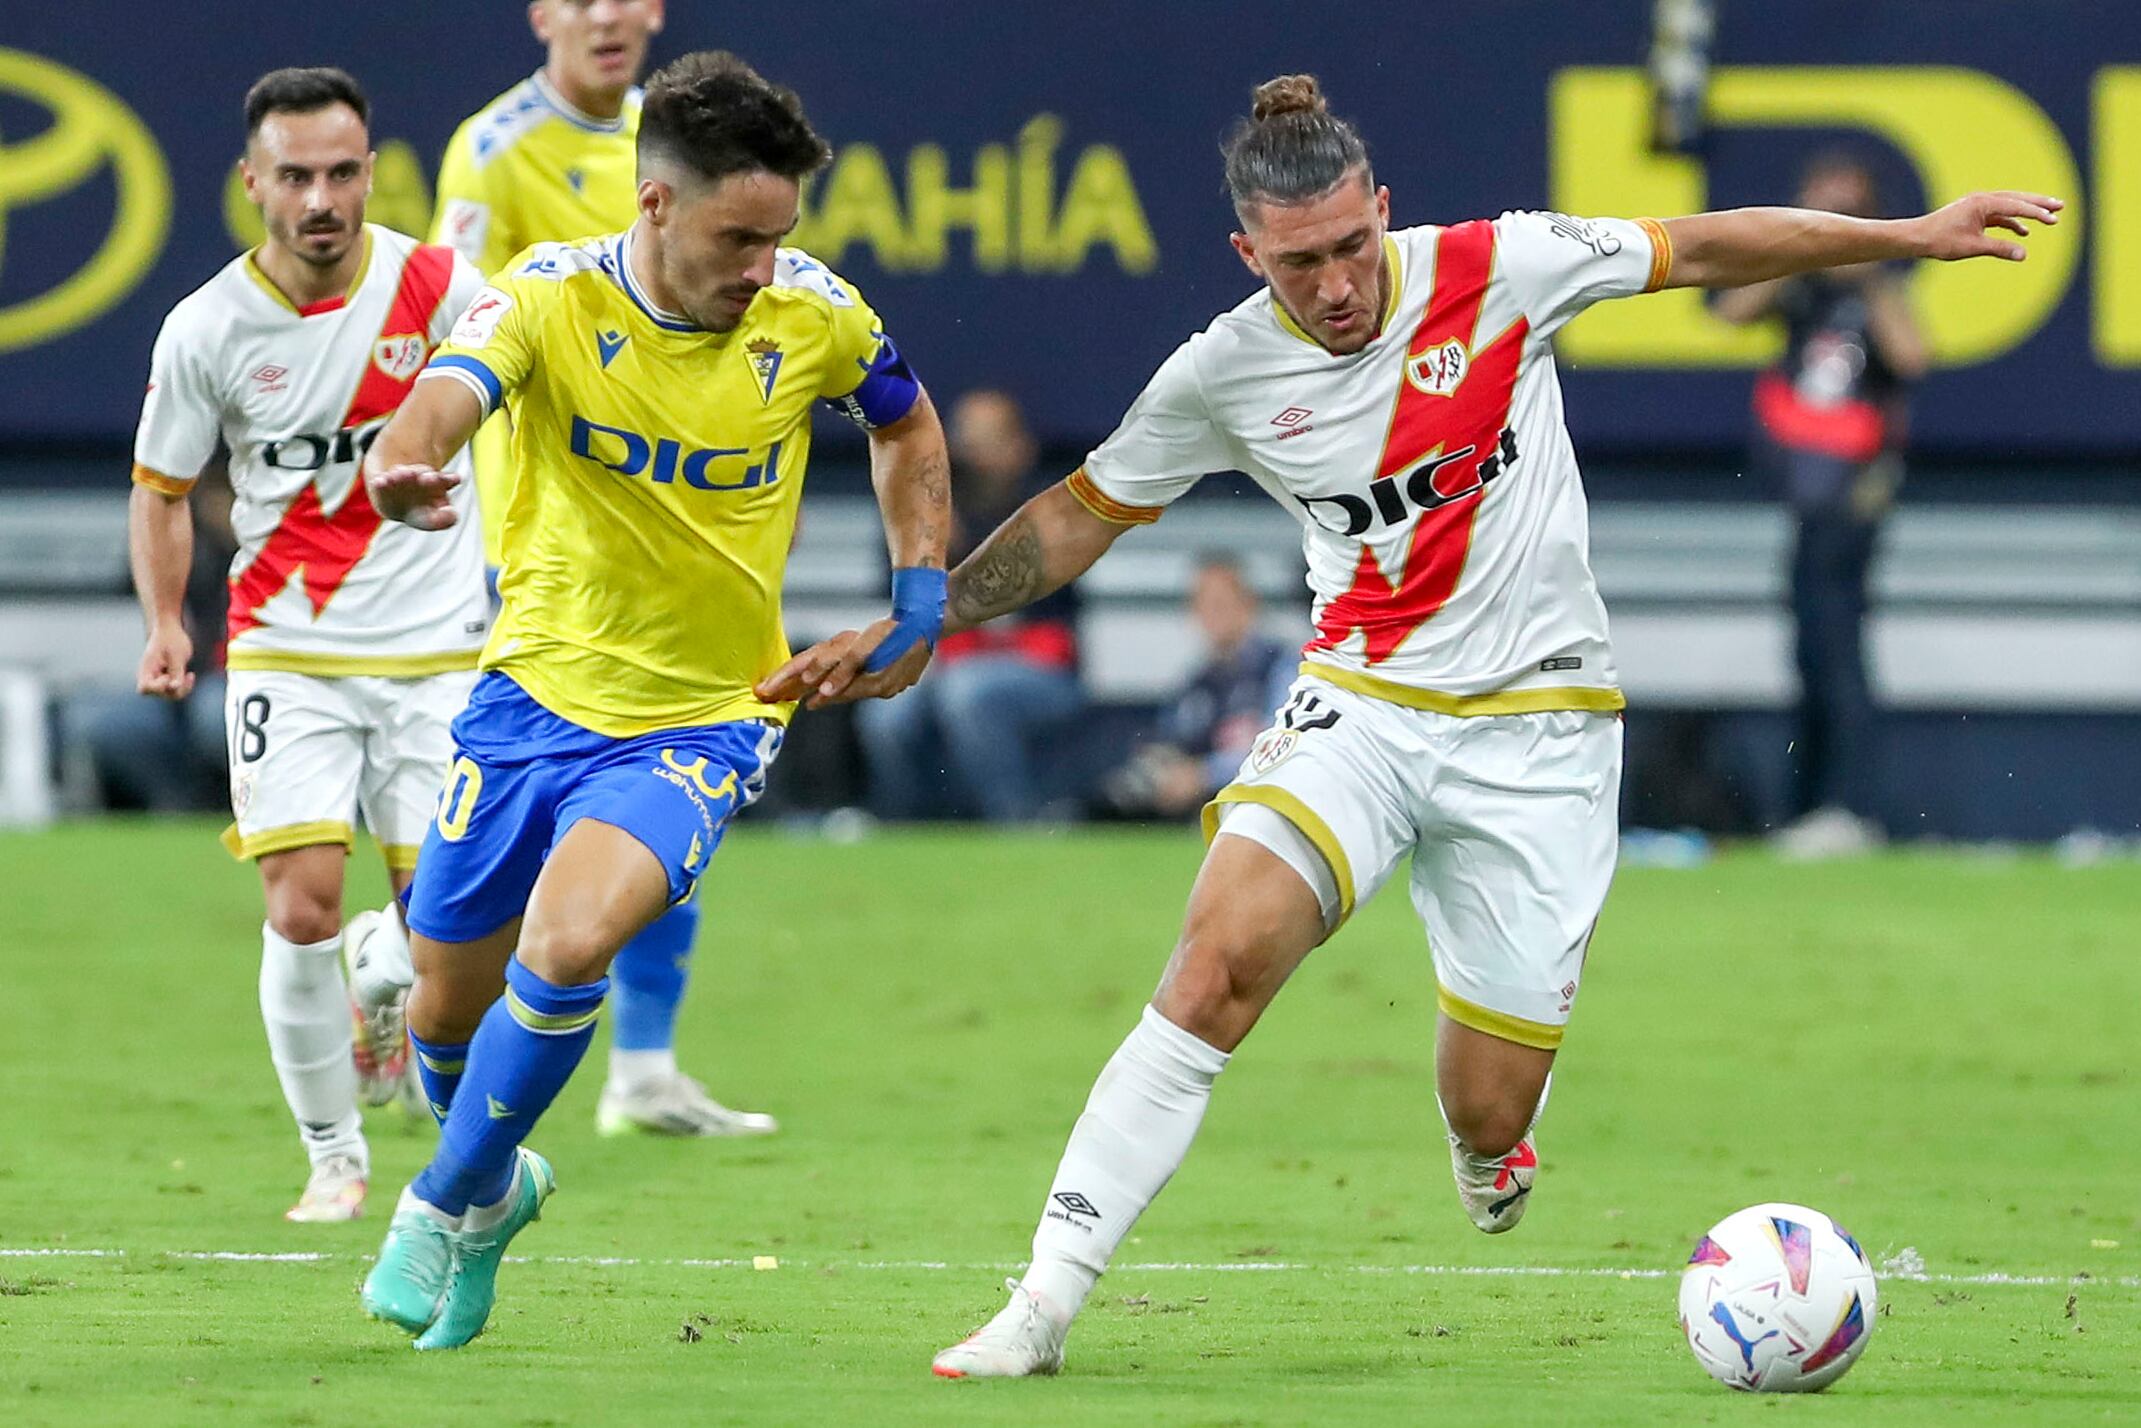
(659, 468)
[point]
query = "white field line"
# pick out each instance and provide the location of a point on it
(1989, 1279)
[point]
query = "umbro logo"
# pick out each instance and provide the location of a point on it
(609, 344)
(1076, 1203)
(271, 377)
(1295, 422)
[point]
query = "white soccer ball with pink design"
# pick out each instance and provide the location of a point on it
(1777, 1299)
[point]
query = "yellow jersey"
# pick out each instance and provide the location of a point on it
(659, 469)
(529, 168)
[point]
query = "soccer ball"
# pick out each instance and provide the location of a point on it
(1777, 1299)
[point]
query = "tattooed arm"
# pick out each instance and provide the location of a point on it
(1048, 542)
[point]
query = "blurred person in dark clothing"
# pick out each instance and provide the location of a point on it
(161, 755)
(1831, 422)
(1207, 733)
(964, 740)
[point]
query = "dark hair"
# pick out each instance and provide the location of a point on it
(1291, 148)
(302, 91)
(715, 115)
(1829, 162)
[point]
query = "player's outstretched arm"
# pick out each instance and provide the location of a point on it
(159, 531)
(1045, 545)
(401, 471)
(911, 470)
(1738, 246)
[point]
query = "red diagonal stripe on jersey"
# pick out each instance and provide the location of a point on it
(327, 545)
(1424, 425)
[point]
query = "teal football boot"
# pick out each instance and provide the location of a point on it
(472, 1286)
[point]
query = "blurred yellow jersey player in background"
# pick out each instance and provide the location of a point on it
(551, 160)
(548, 160)
(661, 382)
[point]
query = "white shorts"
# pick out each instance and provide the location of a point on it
(309, 754)
(1512, 821)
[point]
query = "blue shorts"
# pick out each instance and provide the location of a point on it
(522, 776)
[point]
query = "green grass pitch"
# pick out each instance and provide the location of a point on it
(1937, 1049)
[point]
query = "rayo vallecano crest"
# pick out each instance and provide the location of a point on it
(765, 355)
(401, 356)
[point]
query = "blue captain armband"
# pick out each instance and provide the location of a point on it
(887, 392)
(918, 593)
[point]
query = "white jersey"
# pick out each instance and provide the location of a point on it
(1442, 514)
(321, 584)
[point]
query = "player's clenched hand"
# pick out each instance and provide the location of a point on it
(1960, 229)
(163, 671)
(830, 671)
(414, 495)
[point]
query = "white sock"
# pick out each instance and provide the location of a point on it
(631, 1070)
(1137, 1127)
(380, 969)
(306, 1011)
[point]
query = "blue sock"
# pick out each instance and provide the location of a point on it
(439, 1065)
(523, 1054)
(648, 981)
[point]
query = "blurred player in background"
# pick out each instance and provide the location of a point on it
(1458, 704)
(661, 382)
(551, 160)
(1831, 419)
(352, 644)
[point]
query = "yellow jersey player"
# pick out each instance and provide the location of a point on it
(552, 159)
(661, 382)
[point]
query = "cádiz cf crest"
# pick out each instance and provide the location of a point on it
(765, 355)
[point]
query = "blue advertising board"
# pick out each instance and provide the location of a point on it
(1031, 194)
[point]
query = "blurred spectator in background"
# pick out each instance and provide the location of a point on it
(1830, 421)
(1207, 733)
(159, 755)
(963, 741)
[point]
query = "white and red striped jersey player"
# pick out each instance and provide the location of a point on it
(352, 639)
(1444, 525)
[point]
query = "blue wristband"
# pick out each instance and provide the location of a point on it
(918, 595)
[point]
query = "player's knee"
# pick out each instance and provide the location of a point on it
(304, 914)
(570, 955)
(1213, 987)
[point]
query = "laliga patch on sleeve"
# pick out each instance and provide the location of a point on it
(467, 224)
(481, 320)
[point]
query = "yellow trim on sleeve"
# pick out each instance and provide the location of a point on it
(1661, 253)
(338, 666)
(243, 846)
(1088, 494)
(400, 857)
(1498, 1024)
(1470, 706)
(156, 481)
(1289, 807)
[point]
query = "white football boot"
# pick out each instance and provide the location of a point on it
(1022, 1340)
(673, 1105)
(381, 1042)
(335, 1193)
(1495, 1191)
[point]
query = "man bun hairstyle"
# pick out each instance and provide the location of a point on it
(711, 113)
(303, 91)
(1291, 148)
